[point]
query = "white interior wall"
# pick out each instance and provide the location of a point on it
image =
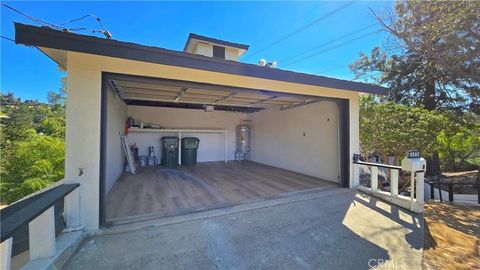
(116, 117)
(212, 145)
(302, 139)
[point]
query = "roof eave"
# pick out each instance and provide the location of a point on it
(49, 38)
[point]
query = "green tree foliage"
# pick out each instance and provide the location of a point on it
(431, 58)
(434, 58)
(32, 145)
(391, 129)
(34, 164)
(459, 142)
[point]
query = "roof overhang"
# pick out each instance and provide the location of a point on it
(50, 40)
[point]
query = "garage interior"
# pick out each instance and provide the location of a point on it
(296, 144)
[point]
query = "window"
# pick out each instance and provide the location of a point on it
(219, 52)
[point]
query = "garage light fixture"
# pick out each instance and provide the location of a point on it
(209, 108)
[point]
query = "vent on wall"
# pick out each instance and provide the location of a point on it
(218, 52)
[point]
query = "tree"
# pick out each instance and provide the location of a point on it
(437, 55)
(32, 146)
(459, 142)
(391, 129)
(436, 59)
(34, 164)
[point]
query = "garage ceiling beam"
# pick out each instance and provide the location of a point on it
(191, 106)
(226, 97)
(115, 87)
(197, 102)
(262, 101)
(181, 94)
(198, 85)
(294, 105)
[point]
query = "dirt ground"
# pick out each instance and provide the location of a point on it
(452, 236)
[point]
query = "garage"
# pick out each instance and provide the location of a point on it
(293, 144)
(304, 128)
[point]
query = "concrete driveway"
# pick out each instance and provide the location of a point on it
(332, 228)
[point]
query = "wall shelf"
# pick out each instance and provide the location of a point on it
(179, 135)
(168, 130)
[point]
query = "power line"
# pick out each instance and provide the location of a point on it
(7, 38)
(332, 48)
(330, 69)
(328, 42)
(302, 28)
(30, 17)
(61, 27)
(283, 25)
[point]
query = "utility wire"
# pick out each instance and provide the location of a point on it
(61, 27)
(7, 38)
(331, 48)
(98, 19)
(302, 28)
(30, 17)
(328, 42)
(295, 19)
(330, 69)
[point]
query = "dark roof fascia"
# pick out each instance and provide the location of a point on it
(46, 37)
(215, 40)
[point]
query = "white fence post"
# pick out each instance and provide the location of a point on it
(6, 254)
(41, 233)
(394, 182)
(373, 178)
(420, 187)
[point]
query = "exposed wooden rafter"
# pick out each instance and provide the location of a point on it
(181, 94)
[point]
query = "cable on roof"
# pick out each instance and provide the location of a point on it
(98, 19)
(302, 28)
(61, 27)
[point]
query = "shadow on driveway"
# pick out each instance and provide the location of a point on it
(336, 229)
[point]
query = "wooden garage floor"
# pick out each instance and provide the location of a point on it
(160, 191)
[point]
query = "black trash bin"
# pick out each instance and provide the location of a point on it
(169, 157)
(189, 150)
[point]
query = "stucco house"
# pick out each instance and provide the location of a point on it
(301, 124)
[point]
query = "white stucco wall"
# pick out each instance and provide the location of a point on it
(116, 117)
(302, 139)
(83, 139)
(231, 54)
(83, 114)
(212, 145)
(204, 49)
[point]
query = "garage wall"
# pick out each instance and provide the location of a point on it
(84, 117)
(116, 117)
(302, 139)
(212, 145)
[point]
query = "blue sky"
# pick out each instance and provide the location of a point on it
(30, 74)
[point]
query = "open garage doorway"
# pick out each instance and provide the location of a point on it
(297, 143)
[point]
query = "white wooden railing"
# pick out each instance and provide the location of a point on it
(414, 202)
